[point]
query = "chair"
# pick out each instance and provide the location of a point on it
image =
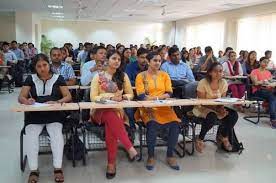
(259, 101)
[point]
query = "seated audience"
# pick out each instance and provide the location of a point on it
(233, 68)
(207, 60)
(77, 51)
(133, 57)
(61, 67)
(120, 48)
(3, 71)
(220, 54)
(186, 59)
(251, 63)
(92, 67)
(212, 87)
(83, 53)
(154, 84)
(112, 84)
(181, 75)
(260, 77)
(163, 53)
(134, 68)
(225, 57)
(44, 87)
(268, 55)
(125, 58)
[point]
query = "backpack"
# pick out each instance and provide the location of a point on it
(79, 148)
(237, 146)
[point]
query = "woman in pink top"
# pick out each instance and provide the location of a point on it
(260, 77)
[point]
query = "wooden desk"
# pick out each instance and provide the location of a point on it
(4, 66)
(73, 87)
(235, 77)
(189, 102)
(84, 87)
(123, 104)
(51, 107)
(273, 85)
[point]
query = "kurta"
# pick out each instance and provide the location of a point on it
(147, 85)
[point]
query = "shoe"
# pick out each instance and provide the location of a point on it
(173, 163)
(110, 175)
(150, 164)
(273, 124)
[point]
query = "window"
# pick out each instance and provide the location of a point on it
(206, 34)
(259, 34)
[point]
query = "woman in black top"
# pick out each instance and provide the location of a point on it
(44, 87)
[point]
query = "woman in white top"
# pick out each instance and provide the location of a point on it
(232, 67)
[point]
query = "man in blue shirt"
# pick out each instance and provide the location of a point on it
(83, 53)
(89, 69)
(10, 57)
(181, 75)
(176, 68)
(19, 53)
(62, 68)
(134, 68)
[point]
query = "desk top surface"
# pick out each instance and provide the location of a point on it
(50, 107)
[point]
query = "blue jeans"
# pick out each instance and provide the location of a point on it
(270, 98)
(130, 113)
(152, 129)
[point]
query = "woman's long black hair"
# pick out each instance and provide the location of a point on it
(119, 76)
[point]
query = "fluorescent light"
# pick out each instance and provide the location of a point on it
(58, 16)
(55, 6)
(57, 13)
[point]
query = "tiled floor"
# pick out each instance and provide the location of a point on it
(256, 164)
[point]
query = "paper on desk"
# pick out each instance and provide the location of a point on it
(229, 100)
(163, 101)
(36, 104)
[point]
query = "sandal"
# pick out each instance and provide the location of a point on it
(58, 173)
(199, 145)
(33, 177)
(224, 142)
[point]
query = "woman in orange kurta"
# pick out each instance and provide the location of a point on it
(154, 84)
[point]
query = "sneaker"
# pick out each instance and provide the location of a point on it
(273, 124)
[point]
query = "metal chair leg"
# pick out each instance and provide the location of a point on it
(141, 142)
(23, 158)
(259, 116)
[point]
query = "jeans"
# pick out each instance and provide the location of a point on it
(152, 129)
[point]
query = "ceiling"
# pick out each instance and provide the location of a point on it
(125, 10)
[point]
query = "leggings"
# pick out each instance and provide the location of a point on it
(226, 125)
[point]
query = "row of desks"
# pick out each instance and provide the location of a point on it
(124, 104)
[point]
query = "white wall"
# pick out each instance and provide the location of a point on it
(107, 32)
(229, 17)
(7, 24)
